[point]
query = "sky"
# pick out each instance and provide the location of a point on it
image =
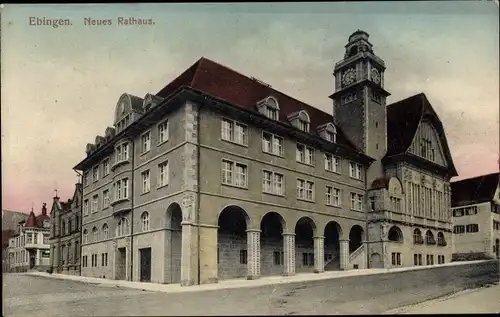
(60, 86)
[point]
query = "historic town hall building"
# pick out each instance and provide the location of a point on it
(220, 176)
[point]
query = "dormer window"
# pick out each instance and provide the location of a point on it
(269, 107)
(328, 132)
(304, 126)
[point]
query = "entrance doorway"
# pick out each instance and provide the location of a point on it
(145, 267)
(32, 260)
(120, 263)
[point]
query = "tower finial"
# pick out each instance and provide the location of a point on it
(55, 190)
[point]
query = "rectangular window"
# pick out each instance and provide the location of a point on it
(95, 203)
(396, 258)
(163, 172)
(277, 258)
(272, 183)
(146, 183)
(86, 178)
(471, 228)
(235, 174)
(330, 136)
(163, 132)
(272, 113)
(415, 259)
(272, 144)
(102, 259)
(243, 256)
(121, 153)
(356, 202)
(459, 229)
(355, 170)
(305, 154)
(234, 131)
(146, 142)
(95, 173)
(308, 259)
(332, 196)
(121, 189)
(86, 207)
(332, 163)
(105, 167)
(305, 189)
(105, 199)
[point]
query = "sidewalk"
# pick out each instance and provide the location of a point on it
(234, 283)
(471, 301)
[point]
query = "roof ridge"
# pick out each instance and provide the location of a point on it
(476, 177)
(420, 94)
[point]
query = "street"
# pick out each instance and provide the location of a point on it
(370, 294)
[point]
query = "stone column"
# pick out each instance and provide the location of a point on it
(38, 257)
(253, 254)
(319, 254)
(114, 253)
(289, 254)
(344, 254)
(187, 274)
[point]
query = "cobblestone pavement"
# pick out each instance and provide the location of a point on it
(371, 294)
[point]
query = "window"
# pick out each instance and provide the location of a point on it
(234, 131)
(331, 136)
(105, 231)
(86, 207)
(29, 239)
(243, 256)
(332, 196)
(95, 173)
(102, 259)
(95, 203)
(304, 125)
(305, 154)
(121, 189)
(234, 173)
(86, 178)
(105, 199)
(332, 163)
(163, 174)
(271, 113)
(105, 167)
(85, 236)
(458, 212)
(307, 259)
(95, 234)
(272, 144)
(305, 190)
(355, 170)
(146, 142)
(163, 132)
(396, 258)
(277, 258)
(356, 202)
(459, 229)
(415, 259)
(145, 221)
(122, 153)
(145, 182)
(84, 261)
(272, 183)
(396, 204)
(471, 228)
(122, 228)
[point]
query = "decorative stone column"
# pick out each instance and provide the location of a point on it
(187, 277)
(289, 254)
(319, 254)
(253, 254)
(344, 254)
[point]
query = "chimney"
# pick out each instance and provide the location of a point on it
(44, 209)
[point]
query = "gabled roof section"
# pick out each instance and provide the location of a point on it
(403, 119)
(230, 86)
(474, 190)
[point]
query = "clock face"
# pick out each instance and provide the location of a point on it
(375, 76)
(348, 77)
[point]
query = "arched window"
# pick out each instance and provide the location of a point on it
(441, 240)
(304, 121)
(429, 238)
(122, 228)
(63, 228)
(95, 234)
(85, 236)
(105, 231)
(417, 237)
(331, 133)
(145, 221)
(69, 226)
(395, 234)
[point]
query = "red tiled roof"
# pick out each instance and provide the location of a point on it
(228, 85)
(474, 190)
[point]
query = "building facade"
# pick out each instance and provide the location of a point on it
(10, 227)
(29, 249)
(65, 233)
(476, 217)
(221, 176)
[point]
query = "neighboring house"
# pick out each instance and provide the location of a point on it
(220, 176)
(65, 234)
(10, 222)
(476, 217)
(29, 248)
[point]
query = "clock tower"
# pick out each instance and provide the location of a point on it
(359, 100)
